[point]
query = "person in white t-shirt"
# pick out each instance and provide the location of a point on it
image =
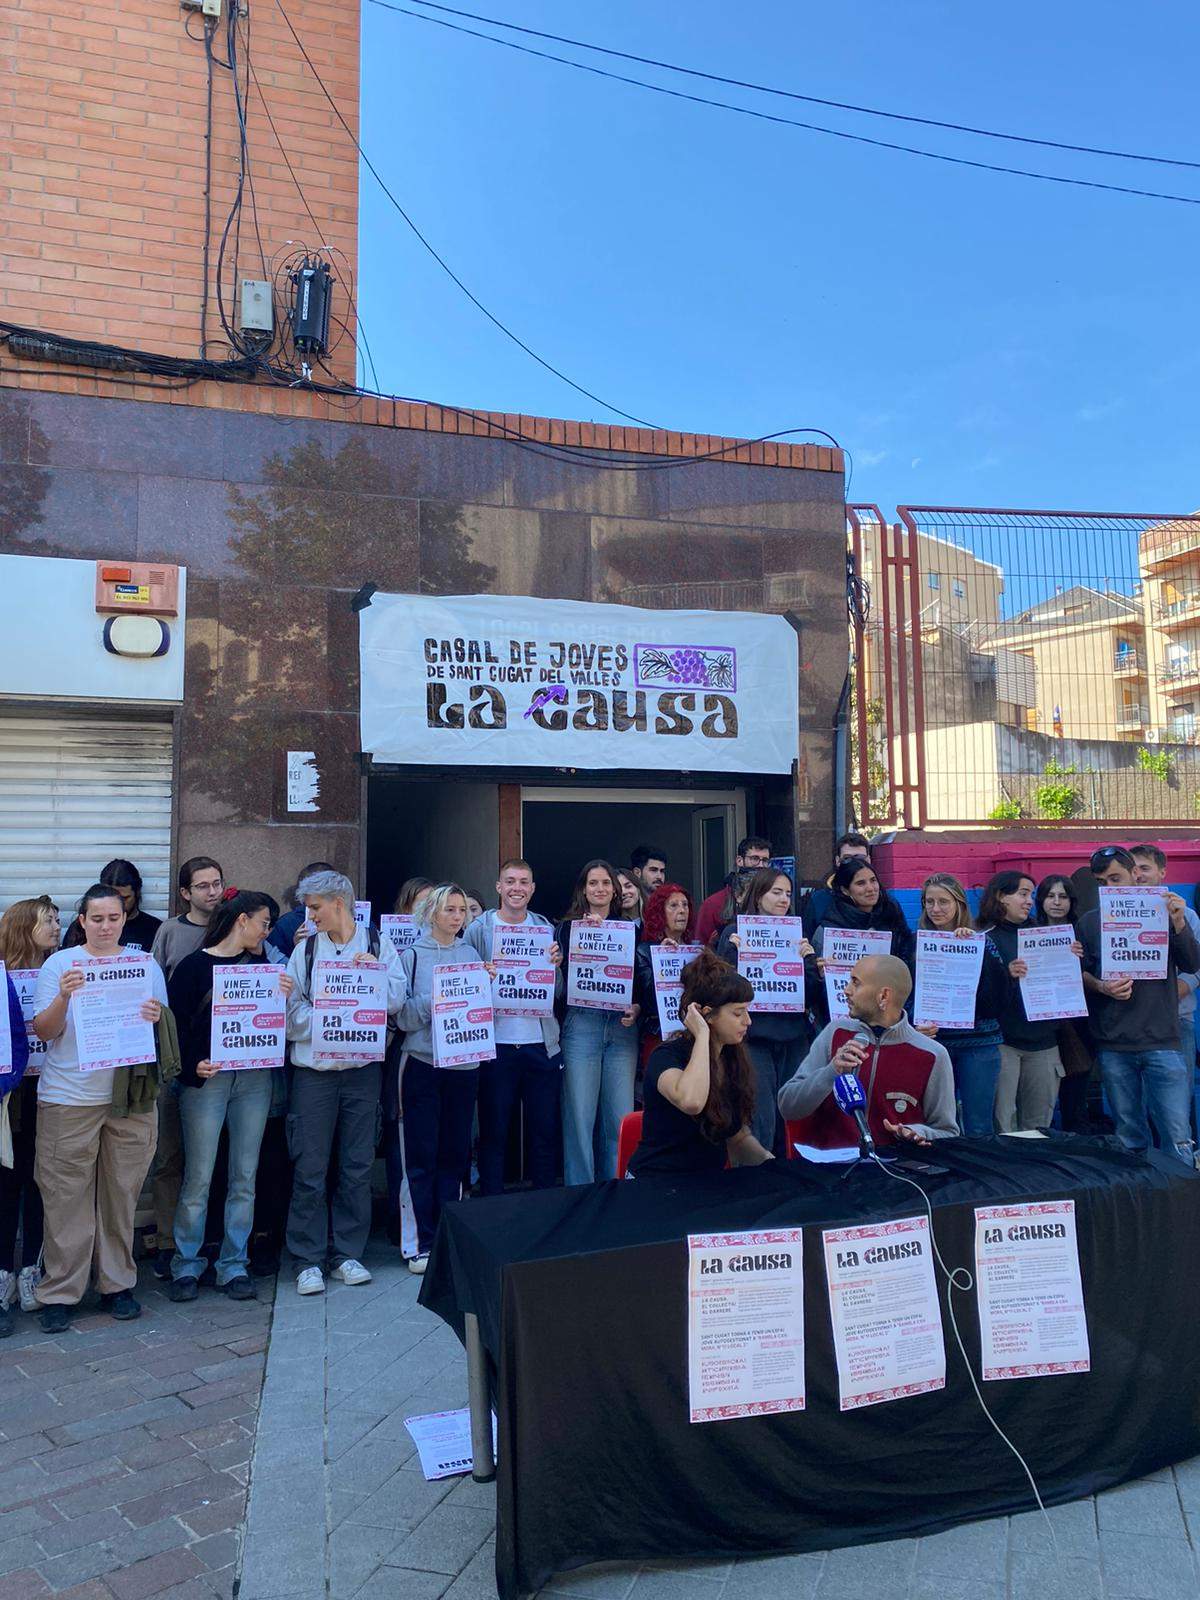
(91, 1161)
(527, 1071)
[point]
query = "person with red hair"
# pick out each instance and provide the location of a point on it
(669, 918)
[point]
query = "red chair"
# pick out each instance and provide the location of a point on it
(628, 1139)
(795, 1132)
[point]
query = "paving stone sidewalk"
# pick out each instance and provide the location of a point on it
(339, 1508)
(125, 1449)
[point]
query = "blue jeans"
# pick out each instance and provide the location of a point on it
(976, 1066)
(599, 1065)
(1157, 1083)
(242, 1099)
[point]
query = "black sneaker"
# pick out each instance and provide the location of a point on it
(264, 1264)
(55, 1319)
(122, 1306)
(162, 1264)
(182, 1289)
(240, 1288)
(6, 1326)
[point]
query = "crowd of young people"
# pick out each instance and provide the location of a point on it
(76, 1148)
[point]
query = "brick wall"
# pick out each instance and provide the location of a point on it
(102, 163)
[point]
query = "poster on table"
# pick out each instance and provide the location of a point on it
(399, 928)
(667, 963)
(600, 965)
(745, 1324)
(1053, 986)
(524, 983)
(24, 981)
(248, 1017)
(841, 950)
(513, 681)
(1032, 1322)
(769, 958)
(947, 981)
(461, 1014)
(883, 1302)
(6, 1042)
(110, 1030)
(1134, 935)
(349, 1011)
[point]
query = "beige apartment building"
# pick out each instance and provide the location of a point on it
(1169, 563)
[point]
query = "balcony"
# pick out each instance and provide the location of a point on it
(1183, 544)
(1131, 718)
(1178, 675)
(1127, 663)
(1179, 612)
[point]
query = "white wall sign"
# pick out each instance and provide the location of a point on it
(303, 781)
(509, 681)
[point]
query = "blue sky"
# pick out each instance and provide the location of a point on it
(974, 339)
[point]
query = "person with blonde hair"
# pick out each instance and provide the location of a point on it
(29, 932)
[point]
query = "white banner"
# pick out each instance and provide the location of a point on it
(745, 1324)
(510, 681)
(461, 1014)
(1134, 935)
(349, 1006)
(247, 1016)
(1031, 1317)
(524, 984)
(600, 965)
(947, 982)
(25, 982)
(841, 951)
(769, 958)
(110, 1030)
(1053, 986)
(667, 962)
(887, 1324)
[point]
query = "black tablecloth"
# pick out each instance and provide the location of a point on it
(581, 1296)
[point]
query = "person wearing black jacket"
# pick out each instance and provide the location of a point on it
(974, 1052)
(859, 900)
(210, 1098)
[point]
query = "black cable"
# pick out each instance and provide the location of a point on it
(208, 139)
(445, 266)
(808, 99)
(789, 122)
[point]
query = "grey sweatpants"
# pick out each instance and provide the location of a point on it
(326, 1107)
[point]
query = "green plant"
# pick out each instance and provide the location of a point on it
(1008, 810)
(1057, 800)
(1158, 763)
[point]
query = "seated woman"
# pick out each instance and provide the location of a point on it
(699, 1088)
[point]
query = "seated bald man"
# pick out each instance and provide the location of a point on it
(907, 1078)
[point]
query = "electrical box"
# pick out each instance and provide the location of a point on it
(257, 313)
(211, 8)
(139, 588)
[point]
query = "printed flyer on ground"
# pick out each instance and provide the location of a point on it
(745, 1324)
(349, 1006)
(841, 951)
(1032, 1322)
(524, 985)
(600, 965)
(247, 1017)
(1134, 934)
(667, 962)
(462, 1017)
(887, 1324)
(769, 958)
(948, 968)
(110, 1030)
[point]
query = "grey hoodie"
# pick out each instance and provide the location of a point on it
(418, 962)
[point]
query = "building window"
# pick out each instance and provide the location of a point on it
(960, 589)
(935, 580)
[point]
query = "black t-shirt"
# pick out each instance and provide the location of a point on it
(139, 931)
(671, 1140)
(189, 994)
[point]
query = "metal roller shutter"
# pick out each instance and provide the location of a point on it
(74, 793)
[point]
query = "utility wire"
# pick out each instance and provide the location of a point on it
(789, 122)
(808, 99)
(441, 261)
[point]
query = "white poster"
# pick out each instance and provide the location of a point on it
(25, 982)
(524, 984)
(667, 962)
(362, 913)
(1133, 933)
(6, 1054)
(110, 1030)
(887, 1324)
(462, 1018)
(510, 681)
(400, 927)
(841, 951)
(349, 1011)
(600, 965)
(303, 781)
(1053, 986)
(248, 1016)
(745, 1324)
(1032, 1322)
(948, 968)
(769, 958)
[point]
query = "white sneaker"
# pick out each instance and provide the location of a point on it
(310, 1281)
(8, 1289)
(27, 1280)
(418, 1264)
(352, 1272)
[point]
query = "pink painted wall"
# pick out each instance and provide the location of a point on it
(906, 861)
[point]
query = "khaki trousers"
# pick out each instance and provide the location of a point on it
(90, 1167)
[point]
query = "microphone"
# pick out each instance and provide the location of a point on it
(848, 1093)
